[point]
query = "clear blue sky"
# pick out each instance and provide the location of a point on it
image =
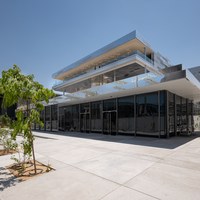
(43, 36)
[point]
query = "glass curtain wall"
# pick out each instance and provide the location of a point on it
(184, 118)
(71, 117)
(147, 114)
(126, 115)
(190, 116)
(61, 125)
(54, 117)
(110, 117)
(163, 113)
(171, 113)
(178, 114)
(75, 117)
(48, 118)
(85, 117)
(96, 120)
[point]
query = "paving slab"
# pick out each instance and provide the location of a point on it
(168, 182)
(115, 166)
(95, 166)
(124, 193)
(67, 183)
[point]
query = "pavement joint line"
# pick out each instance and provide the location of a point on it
(140, 173)
(180, 167)
(92, 158)
(92, 174)
(142, 192)
(110, 192)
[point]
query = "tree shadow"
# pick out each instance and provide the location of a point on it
(6, 179)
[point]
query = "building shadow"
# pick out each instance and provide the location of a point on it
(165, 143)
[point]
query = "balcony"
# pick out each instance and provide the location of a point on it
(108, 66)
(125, 86)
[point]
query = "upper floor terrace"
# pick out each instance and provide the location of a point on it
(124, 56)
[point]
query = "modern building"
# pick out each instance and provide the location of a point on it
(124, 88)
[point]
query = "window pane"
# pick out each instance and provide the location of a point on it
(126, 115)
(147, 114)
(96, 121)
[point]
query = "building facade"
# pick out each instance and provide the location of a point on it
(124, 88)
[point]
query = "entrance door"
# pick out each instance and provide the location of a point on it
(109, 123)
(85, 123)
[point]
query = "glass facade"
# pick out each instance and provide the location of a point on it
(126, 109)
(96, 119)
(147, 114)
(171, 113)
(48, 118)
(54, 117)
(159, 114)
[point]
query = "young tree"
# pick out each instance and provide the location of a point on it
(16, 88)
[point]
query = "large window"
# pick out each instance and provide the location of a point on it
(126, 115)
(61, 119)
(48, 118)
(178, 114)
(171, 113)
(147, 114)
(109, 105)
(85, 117)
(162, 113)
(184, 123)
(54, 117)
(96, 121)
(71, 116)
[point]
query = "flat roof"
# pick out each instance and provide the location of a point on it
(117, 43)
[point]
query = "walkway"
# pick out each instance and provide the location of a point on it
(99, 167)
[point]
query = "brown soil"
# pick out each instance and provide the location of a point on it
(6, 152)
(26, 171)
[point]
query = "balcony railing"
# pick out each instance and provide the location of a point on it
(138, 53)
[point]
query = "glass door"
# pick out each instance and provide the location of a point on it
(109, 122)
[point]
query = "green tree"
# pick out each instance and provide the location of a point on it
(29, 95)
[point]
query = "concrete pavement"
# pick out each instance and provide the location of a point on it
(102, 167)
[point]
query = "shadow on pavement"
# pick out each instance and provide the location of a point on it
(6, 179)
(170, 143)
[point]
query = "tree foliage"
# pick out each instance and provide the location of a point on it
(28, 94)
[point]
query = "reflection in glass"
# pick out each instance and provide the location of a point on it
(109, 123)
(48, 118)
(109, 105)
(171, 111)
(178, 114)
(96, 121)
(54, 117)
(147, 114)
(61, 119)
(85, 117)
(126, 115)
(163, 113)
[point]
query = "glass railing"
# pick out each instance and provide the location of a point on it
(138, 53)
(139, 81)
